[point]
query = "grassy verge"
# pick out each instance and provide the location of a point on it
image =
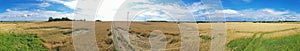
(289, 43)
(20, 42)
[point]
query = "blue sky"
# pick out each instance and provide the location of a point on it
(235, 10)
(35, 10)
(290, 6)
(31, 5)
(280, 5)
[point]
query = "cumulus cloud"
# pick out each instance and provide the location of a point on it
(265, 14)
(174, 8)
(153, 15)
(180, 10)
(108, 9)
(200, 11)
(8, 10)
(228, 11)
(71, 4)
(272, 11)
(37, 11)
(31, 15)
(45, 4)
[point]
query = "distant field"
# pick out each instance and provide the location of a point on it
(57, 35)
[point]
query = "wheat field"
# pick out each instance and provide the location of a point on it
(57, 36)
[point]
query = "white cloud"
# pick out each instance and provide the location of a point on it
(108, 9)
(266, 14)
(71, 4)
(153, 15)
(174, 9)
(31, 15)
(45, 4)
(272, 11)
(228, 11)
(8, 10)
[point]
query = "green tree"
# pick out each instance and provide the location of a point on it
(98, 21)
(50, 19)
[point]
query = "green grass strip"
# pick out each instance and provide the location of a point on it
(20, 42)
(289, 43)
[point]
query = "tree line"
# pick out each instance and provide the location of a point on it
(50, 19)
(59, 19)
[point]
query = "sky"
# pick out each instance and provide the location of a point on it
(234, 10)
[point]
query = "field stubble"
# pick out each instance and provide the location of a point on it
(57, 35)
